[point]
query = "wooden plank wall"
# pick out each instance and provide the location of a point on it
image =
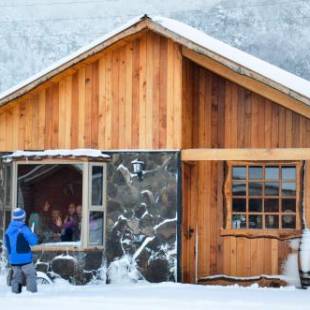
(127, 97)
(225, 115)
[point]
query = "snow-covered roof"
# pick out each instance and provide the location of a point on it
(75, 153)
(197, 40)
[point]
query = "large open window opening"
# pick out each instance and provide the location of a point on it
(52, 198)
(65, 202)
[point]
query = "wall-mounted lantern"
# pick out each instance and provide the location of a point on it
(138, 166)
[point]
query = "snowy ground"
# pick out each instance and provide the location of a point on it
(154, 297)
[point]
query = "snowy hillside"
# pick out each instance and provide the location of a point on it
(35, 33)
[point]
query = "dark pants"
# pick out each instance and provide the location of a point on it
(24, 274)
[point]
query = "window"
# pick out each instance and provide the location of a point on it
(263, 196)
(96, 212)
(7, 194)
(64, 202)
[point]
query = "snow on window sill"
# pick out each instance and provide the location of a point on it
(67, 246)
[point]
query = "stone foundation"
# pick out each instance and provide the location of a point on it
(76, 267)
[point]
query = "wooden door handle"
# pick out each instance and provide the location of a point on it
(189, 233)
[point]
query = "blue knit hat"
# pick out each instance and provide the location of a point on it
(18, 214)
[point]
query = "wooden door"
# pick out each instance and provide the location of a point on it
(202, 244)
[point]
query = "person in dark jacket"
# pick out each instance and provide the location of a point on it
(18, 239)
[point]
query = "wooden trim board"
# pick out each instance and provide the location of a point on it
(245, 154)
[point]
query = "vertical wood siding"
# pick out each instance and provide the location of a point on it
(129, 97)
(221, 114)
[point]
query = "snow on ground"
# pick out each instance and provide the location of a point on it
(146, 296)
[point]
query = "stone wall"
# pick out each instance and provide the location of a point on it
(142, 215)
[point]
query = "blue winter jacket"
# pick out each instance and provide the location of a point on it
(18, 239)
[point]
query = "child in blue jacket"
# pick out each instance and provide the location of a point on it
(18, 239)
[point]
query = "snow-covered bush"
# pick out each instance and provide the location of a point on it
(123, 271)
(3, 261)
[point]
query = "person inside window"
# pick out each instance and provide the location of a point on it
(70, 225)
(39, 222)
(56, 225)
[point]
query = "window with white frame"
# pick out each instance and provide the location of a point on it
(96, 218)
(65, 202)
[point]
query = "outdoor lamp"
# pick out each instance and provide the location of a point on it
(138, 167)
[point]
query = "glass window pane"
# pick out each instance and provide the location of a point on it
(255, 205)
(97, 185)
(239, 173)
(271, 205)
(288, 189)
(271, 189)
(238, 221)
(255, 172)
(288, 221)
(288, 205)
(271, 173)
(288, 173)
(96, 223)
(239, 189)
(255, 189)
(239, 205)
(255, 221)
(272, 221)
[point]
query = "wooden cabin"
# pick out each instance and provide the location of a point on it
(221, 193)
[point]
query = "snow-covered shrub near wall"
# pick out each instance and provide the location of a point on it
(3, 261)
(290, 266)
(300, 251)
(123, 270)
(305, 251)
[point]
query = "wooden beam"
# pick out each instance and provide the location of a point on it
(282, 97)
(245, 154)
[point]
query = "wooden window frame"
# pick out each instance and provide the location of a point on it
(228, 230)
